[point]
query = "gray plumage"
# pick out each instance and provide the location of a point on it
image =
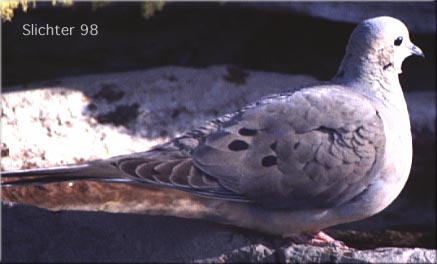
(343, 147)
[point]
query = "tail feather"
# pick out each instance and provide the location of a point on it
(41, 176)
(61, 170)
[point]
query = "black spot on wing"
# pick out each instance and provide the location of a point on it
(238, 145)
(247, 132)
(269, 161)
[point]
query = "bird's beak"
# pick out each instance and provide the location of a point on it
(416, 51)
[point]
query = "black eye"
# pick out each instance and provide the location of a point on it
(398, 41)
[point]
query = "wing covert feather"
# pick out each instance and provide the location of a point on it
(291, 150)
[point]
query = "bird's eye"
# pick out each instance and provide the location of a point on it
(398, 41)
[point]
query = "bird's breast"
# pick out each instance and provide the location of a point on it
(398, 152)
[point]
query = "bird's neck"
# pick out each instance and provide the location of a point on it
(373, 77)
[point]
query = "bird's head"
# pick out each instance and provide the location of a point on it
(386, 40)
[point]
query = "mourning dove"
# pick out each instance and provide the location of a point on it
(291, 162)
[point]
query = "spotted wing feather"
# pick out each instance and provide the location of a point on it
(309, 149)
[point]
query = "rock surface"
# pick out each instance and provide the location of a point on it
(74, 119)
(37, 235)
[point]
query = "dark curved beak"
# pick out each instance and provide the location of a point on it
(417, 51)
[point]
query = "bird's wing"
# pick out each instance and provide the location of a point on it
(313, 148)
(172, 170)
(317, 147)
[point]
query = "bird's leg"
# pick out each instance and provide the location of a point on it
(320, 239)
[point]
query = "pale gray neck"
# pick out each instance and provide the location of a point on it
(372, 76)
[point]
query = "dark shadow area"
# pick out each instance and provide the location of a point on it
(185, 34)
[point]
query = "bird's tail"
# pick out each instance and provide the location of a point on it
(87, 171)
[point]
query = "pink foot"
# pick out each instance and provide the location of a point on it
(320, 239)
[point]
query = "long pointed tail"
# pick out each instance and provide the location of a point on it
(88, 171)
